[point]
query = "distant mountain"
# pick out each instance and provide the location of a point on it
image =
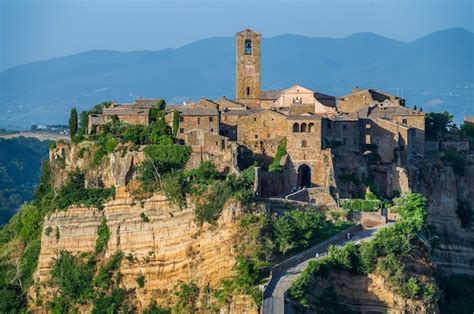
(435, 72)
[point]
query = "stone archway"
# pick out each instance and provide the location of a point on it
(304, 176)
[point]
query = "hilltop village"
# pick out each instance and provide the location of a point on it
(326, 142)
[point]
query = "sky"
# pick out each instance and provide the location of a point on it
(33, 30)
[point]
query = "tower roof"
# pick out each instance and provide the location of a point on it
(248, 32)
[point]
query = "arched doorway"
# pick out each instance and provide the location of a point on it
(304, 176)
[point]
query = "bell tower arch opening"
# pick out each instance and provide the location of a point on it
(304, 176)
(247, 79)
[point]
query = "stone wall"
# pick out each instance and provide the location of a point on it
(261, 126)
(204, 123)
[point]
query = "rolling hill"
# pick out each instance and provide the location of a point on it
(435, 72)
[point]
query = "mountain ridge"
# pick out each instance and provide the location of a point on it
(436, 66)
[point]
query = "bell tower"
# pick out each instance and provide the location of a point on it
(247, 43)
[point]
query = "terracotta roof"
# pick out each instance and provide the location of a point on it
(270, 94)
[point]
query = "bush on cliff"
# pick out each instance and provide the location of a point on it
(386, 255)
(281, 151)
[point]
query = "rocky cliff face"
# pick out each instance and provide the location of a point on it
(368, 294)
(169, 248)
(444, 190)
(115, 169)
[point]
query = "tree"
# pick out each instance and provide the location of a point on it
(437, 124)
(73, 122)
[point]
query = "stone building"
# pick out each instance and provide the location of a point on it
(247, 84)
(326, 136)
(128, 113)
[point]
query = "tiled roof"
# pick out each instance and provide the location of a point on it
(469, 119)
(304, 117)
(125, 111)
(146, 103)
(352, 116)
(389, 112)
(270, 94)
(228, 103)
(326, 100)
(196, 111)
(246, 112)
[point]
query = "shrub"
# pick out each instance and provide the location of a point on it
(144, 217)
(48, 230)
(72, 276)
(103, 236)
(140, 279)
(281, 151)
(155, 309)
(187, 297)
(110, 303)
(161, 159)
(104, 276)
(57, 234)
(218, 193)
(175, 188)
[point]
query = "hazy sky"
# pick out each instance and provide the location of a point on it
(32, 30)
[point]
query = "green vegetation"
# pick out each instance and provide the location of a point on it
(103, 236)
(73, 123)
(370, 204)
(175, 123)
(144, 217)
(77, 285)
(385, 255)
(155, 309)
(73, 276)
(281, 151)
(20, 169)
(187, 298)
(456, 160)
(296, 229)
(140, 279)
(160, 159)
(74, 192)
(467, 130)
(437, 124)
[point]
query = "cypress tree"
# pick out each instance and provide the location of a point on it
(73, 122)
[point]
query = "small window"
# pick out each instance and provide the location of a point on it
(181, 118)
(211, 119)
(367, 126)
(296, 127)
(199, 120)
(212, 130)
(303, 143)
(248, 47)
(248, 91)
(368, 140)
(256, 135)
(222, 144)
(344, 126)
(254, 119)
(181, 130)
(405, 121)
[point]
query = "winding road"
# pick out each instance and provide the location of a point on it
(285, 273)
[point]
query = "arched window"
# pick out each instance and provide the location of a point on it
(303, 127)
(311, 127)
(296, 127)
(248, 47)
